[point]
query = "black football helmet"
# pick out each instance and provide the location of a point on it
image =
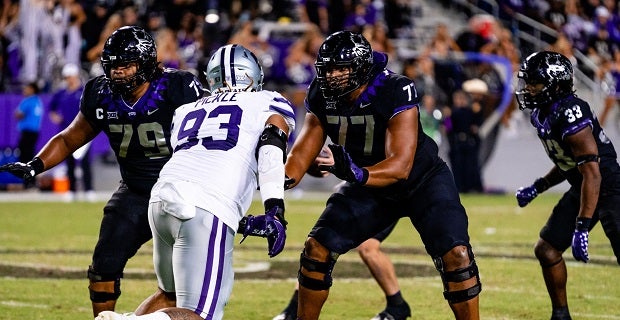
(343, 49)
(551, 69)
(125, 45)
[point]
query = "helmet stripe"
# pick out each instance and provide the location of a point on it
(233, 79)
(222, 66)
(229, 60)
(255, 58)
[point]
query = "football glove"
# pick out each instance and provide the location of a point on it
(288, 182)
(525, 195)
(315, 171)
(343, 166)
(25, 171)
(325, 157)
(270, 225)
(580, 239)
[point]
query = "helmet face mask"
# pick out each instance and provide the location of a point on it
(233, 68)
(337, 76)
(125, 46)
(343, 64)
(543, 78)
(129, 81)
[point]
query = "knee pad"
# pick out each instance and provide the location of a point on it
(103, 296)
(312, 265)
(459, 275)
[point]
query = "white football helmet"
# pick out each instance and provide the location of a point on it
(234, 68)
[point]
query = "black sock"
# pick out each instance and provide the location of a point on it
(292, 305)
(397, 306)
(560, 313)
(395, 299)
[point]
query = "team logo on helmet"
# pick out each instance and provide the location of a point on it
(234, 68)
(543, 78)
(345, 50)
(125, 45)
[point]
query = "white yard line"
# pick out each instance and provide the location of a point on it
(18, 304)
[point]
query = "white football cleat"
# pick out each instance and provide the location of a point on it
(111, 315)
(285, 315)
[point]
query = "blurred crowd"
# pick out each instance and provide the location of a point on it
(38, 37)
(460, 92)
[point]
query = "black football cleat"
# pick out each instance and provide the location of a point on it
(400, 312)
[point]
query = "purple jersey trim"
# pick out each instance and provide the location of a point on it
(285, 112)
(403, 108)
(576, 128)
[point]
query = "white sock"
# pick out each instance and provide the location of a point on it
(158, 315)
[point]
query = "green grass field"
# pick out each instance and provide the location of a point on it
(45, 249)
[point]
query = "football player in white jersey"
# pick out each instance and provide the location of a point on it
(225, 146)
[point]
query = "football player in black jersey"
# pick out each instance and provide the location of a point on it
(132, 104)
(392, 170)
(378, 263)
(582, 155)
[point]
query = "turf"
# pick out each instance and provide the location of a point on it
(45, 249)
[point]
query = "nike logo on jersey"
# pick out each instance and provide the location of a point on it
(364, 105)
(150, 112)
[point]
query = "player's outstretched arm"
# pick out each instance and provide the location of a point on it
(525, 195)
(304, 151)
(270, 153)
(60, 146)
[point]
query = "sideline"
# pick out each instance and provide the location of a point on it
(103, 196)
(41, 196)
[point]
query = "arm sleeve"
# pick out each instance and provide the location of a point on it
(270, 157)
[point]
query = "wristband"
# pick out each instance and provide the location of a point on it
(273, 202)
(37, 165)
(362, 176)
(583, 224)
(279, 204)
(541, 185)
